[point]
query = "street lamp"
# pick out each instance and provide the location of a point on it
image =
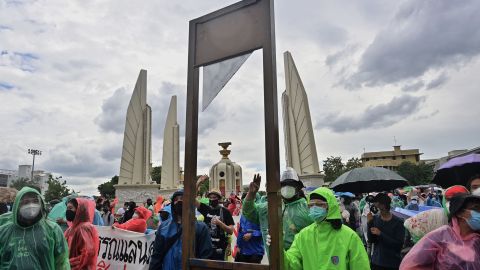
(34, 153)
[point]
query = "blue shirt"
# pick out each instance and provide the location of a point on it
(255, 245)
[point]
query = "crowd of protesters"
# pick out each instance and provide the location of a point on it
(321, 229)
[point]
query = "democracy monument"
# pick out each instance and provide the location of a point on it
(135, 183)
(300, 148)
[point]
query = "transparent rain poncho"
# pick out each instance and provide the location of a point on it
(295, 217)
(444, 248)
(425, 222)
(82, 237)
(39, 246)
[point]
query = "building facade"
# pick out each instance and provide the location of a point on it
(390, 159)
(25, 171)
(7, 176)
(438, 162)
(40, 177)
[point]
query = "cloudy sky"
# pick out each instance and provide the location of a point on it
(373, 70)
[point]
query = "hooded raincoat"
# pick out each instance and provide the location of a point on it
(58, 212)
(444, 248)
(319, 246)
(136, 224)
(295, 217)
(170, 234)
(40, 246)
(82, 237)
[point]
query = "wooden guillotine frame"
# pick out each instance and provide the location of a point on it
(232, 31)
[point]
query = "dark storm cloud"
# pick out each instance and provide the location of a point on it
(66, 160)
(437, 82)
(112, 152)
(427, 116)
(422, 36)
(414, 86)
(378, 116)
(114, 111)
(333, 59)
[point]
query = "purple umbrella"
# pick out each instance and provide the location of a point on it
(457, 171)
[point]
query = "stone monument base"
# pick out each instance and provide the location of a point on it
(312, 180)
(139, 193)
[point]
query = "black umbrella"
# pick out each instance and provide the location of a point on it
(364, 180)
(457, 171)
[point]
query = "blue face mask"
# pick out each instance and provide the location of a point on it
(474, 220)
(317, 213)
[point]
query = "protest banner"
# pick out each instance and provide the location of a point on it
(123, 250)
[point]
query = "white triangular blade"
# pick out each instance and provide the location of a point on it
(216, 76)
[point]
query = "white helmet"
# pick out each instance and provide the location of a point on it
(290, 175)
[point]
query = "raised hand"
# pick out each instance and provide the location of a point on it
(255, 184)
(202, 178)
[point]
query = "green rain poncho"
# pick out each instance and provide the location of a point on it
(295, 217)
(319, 246)
(40, 246)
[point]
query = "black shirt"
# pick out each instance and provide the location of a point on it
(388, 245)
(219, 238)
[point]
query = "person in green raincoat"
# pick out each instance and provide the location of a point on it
(29, 240)
(295, 210)
(326, 244)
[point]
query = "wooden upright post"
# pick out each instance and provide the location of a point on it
(226, 33)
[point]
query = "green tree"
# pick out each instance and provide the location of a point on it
(416, 174)
(353, 163)
(107, 189)
(56, 188)
(333, 168)
(19, 183)
(156, 174)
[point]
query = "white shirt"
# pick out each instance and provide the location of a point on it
(120, 211)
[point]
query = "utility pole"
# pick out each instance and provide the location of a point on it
(34, 153)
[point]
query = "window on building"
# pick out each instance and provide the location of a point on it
(367, 159)
(394, 157)
(417, 158)
(403, 157)
(374, 158)
(222, 174)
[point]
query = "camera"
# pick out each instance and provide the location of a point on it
(370, 199)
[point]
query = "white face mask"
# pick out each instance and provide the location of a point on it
(414, 202)
(30, 211)
(476, 192)
(287, 192)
